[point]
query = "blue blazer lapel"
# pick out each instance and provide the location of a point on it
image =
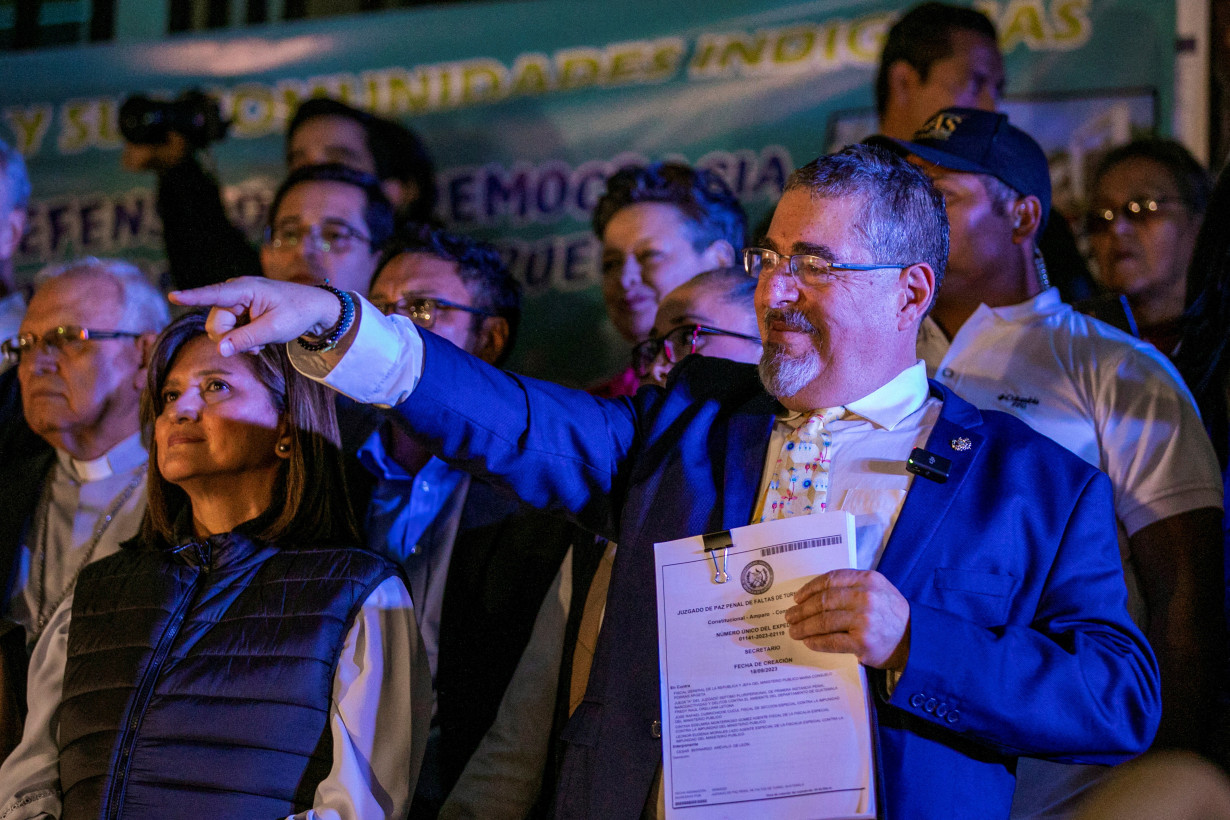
(928, 501)
(746, 440)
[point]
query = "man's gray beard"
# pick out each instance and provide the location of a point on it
(784, 375)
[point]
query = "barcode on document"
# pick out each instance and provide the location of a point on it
(826, 541)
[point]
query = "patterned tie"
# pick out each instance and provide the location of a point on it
(800, 483)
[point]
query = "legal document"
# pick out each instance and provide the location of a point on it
(753, 722)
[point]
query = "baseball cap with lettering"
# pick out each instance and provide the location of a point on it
(969, 140)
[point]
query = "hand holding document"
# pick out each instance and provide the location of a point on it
(753, 721)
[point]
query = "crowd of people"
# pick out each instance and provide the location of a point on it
(308, 550)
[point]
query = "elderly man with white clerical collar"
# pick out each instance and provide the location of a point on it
(80, 355)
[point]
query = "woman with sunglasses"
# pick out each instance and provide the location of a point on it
(240, 657)
(1145, 207)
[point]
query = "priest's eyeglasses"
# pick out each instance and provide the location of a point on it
(66, 338)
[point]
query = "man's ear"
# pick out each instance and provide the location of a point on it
(903, 78)
(721, 254)
(917, 294)
(492, 339)
(145, 349)
(1027, 219)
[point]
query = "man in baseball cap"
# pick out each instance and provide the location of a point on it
(1001, 338)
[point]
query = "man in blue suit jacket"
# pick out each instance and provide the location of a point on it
(992, 600)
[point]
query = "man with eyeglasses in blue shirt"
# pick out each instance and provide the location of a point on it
(327, 224)
(478, 563)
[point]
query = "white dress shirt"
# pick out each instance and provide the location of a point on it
(378, 718)
(870, 443)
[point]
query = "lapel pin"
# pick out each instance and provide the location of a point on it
(961, 444)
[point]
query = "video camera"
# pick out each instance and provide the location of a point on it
(194, 114)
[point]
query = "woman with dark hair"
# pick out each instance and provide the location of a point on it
(1145, 206)
(239, 658)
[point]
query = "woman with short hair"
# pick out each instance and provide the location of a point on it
(240, 657)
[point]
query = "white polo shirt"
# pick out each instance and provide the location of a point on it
(1112, 399)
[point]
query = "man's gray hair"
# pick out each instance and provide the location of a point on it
(145, 308)
(13, 177)
(901, 216)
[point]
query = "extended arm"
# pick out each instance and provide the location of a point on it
(554, 447)
(202, 245)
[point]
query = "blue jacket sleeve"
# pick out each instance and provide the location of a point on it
(554, 447)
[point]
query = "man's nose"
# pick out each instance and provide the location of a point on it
(781, 286)
(987, 99)
(1121, 224)
(41, 358)
(311, 245)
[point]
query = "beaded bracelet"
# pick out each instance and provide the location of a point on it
(335, 334)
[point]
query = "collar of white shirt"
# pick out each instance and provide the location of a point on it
(890, 404)
(121, 458)
(1045, 302)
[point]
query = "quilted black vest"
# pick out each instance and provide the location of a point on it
(198, 680)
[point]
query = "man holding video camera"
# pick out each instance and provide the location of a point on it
(202, 244)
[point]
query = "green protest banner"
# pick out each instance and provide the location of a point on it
(527, 107)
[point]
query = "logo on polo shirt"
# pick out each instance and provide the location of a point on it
(1017, 402)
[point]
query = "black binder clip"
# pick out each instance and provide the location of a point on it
(715, 541)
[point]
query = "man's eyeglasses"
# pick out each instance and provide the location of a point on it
(807, 268)
(423, 311)
(69, 338)
(1136, 211)
(330, 236)
(676, 344)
